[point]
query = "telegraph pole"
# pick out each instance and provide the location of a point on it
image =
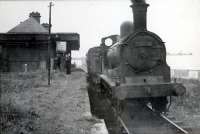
(49, 44)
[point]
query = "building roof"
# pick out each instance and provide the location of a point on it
(28, 26)
(31, 30)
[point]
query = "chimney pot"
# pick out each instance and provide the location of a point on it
(46, 26)
(35, 15)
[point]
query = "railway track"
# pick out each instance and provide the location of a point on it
(180, 129)
(135, 118)
(141, 119)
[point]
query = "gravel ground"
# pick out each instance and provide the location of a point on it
(29, 106)
(187, 108)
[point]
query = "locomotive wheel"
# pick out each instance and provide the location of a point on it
(159, 104)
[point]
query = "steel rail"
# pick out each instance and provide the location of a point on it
(174, 124)
(169, 121)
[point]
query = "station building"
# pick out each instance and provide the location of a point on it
(25, 47)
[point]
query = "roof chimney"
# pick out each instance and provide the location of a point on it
(46, 26)
(139, 8)
(35, 15)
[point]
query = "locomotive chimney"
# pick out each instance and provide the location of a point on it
(139, 8)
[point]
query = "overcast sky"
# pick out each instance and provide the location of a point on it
(177, 22)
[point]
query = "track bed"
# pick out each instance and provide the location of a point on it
(135, 117)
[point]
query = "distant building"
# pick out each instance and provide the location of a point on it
(25, 47)
(185, 74)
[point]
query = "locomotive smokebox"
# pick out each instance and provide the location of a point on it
(139, 8)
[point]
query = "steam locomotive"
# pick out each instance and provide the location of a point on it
(134, 66)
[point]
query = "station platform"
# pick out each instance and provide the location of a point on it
(76, 112)
(61, 108)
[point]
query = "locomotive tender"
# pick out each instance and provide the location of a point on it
(134, 66)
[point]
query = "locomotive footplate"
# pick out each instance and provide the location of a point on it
(138, 90)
